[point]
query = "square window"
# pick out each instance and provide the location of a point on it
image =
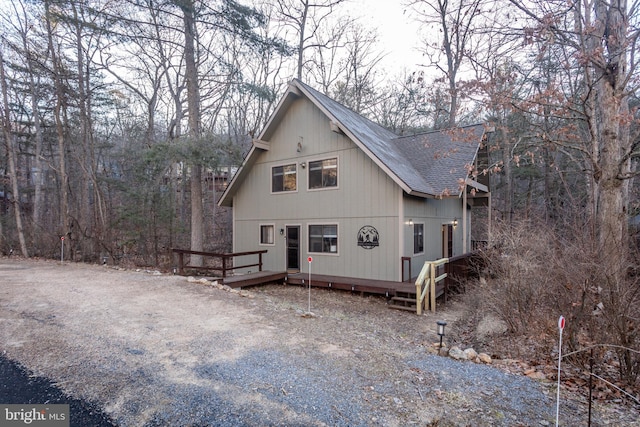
(267, 234)
(323, 174)
(323, 238)
(284, 178)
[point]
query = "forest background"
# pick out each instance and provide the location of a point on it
(123, 121)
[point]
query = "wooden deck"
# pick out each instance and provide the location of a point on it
(400, 295)
(254, 279)
(364, 286)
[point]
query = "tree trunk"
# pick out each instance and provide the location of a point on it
(193, 107)
(63, 178)
(303, 24)
(38, 173)
(613, 137)
(11, 155)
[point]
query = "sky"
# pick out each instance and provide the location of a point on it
(397, 31)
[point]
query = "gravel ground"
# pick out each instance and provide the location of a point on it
(17, 386)
(144, 349)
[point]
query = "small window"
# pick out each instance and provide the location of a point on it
(323, 173)
(284, 178)
(418, 238)
(323, 239)
(267, 233)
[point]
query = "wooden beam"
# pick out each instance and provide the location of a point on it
(263, 145)
(475, 184)
(464, 220)
(335, 127)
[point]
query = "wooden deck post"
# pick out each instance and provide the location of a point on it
(432, 301)
(224, 267)
(464, 220)
(181, 263)
(259, 262)
(418, 301)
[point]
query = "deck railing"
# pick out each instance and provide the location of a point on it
(427, 277)
(226, 265)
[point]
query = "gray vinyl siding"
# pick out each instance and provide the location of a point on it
(365, 195)
(433, 213)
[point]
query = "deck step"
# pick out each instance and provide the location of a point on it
(404, 299)
(401, 307)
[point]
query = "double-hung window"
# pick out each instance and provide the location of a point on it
(323, 174)
(323, 238)
(284, 178)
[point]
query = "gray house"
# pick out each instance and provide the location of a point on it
(323, 181)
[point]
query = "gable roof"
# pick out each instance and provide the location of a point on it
(426, 165)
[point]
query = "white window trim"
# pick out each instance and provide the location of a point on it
(297, 178)
(424, 238)
(260, 234)
(337, 253)
(337, 186)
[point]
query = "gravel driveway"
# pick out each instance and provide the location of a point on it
(155, 350)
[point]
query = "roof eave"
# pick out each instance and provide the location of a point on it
(227, 197)
(339, 125)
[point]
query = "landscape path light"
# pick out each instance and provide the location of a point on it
(441, 324)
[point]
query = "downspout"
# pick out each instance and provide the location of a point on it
(401, 235)
(464, 220)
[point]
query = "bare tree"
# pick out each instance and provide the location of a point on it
(456, 22)
(356, 84)
(306, 18)
(11, 155)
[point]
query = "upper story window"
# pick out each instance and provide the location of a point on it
(284, 178)
(418, 238)
(323, 174)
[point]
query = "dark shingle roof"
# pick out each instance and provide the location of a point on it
(430, 163)
(426, 165)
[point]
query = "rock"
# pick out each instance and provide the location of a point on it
(484, 358)
(444, 351)
(490, 325)
(536, 375)
(246, 294)
(191, 279)
(457, 354)
(470, 354)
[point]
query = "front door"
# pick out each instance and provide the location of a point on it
(293, 248)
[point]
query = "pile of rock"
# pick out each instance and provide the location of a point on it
(457, 353)
(217, 285)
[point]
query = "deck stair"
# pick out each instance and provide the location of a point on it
(403, 301)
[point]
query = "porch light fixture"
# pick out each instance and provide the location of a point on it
(282, 231)
(441, 324)
(455, 222)
(299, 146)
(410, 223)
(303, 165)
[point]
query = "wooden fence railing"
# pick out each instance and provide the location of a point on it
(226, 265)
(427, 277)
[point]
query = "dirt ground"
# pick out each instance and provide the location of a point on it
(154, 349)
